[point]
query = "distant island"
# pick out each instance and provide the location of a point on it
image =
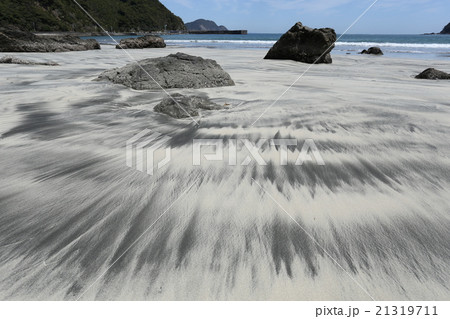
(204, 25)
(66, 16)
(446, 30)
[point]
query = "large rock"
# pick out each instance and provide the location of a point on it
(433, 74)
(21, 41)
(180, 106)
(148, 41)
(174, 71)
(14, 60)
(446, 29)
(373, 50)
(304, 44)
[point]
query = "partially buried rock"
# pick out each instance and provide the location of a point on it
(373, 50)
(22, 41)
(148, 41)
(304, 44)
(180, 106)
(433, 74)
(174, 71)
(14, 60)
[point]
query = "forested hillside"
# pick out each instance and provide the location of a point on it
(65, 15)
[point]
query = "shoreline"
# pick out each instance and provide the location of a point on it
(99, 34)
(257, 52)
(334, 52)
(102, 34)
(402, 46)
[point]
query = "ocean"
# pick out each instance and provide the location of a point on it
(402, 46)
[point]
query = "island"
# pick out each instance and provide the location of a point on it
(446, 29)
(202, 26)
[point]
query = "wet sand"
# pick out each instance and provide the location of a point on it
(75, 220)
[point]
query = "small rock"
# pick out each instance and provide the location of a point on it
(433, 74)
(148, 41)
(180, 106)
(373, 50)
(14, 60)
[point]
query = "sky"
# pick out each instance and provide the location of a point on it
(277, 16)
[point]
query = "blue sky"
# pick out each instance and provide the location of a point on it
(277, 16)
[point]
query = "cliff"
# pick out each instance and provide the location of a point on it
(204, 25)
(65, 15)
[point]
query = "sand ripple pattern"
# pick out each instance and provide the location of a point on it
(69, 207)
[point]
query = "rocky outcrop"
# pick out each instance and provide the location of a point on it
(21, 41)
(304, 44)
(446, 29)
(373, 50)
(180, 106)
(204, 25)
(148, 41)
(14, 60)
(433, 74)
(174, 71)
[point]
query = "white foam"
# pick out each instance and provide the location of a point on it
(393, 44)
(271, 42)
(223, 41)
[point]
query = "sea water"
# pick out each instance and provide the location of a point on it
(403, 46)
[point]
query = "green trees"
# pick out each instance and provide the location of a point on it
(65, 15)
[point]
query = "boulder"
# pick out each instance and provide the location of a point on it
(148, 41)
(21, 41)
(433, 74)
(174, 71)
(179, 106)
(14, 60)
(373, 50)
(304, 44)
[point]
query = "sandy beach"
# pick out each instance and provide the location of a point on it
(373, 223)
